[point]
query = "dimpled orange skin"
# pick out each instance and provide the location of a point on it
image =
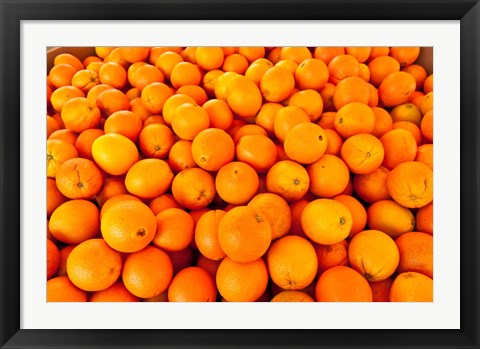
(342, 284)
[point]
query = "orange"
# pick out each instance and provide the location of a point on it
(277, 84)
(135, 54)
(95, 91)
(425, 154)
(252, 53)
(58, 151)
(351, 90)
(193, 188)
(327, 95)
(390, 217)
(54, 197)
(424, 219)
(175, 230)
(372, 187)
(128, 226)
(292, 262)
(360, 53)
(364, 72)
(381, 67)
(185, 73)
(93, 265)
(329, 176)
(378, 51)
(363, 153)
(156, 140)
(212, 148)
(258, 151)
(117, 198)
(209, 265)
(85, 140)
(243, 96)
(221, 84)
(418, 72)
(148, 178)
(241, 282)
(144, 76)
(326, 221)
(115, 293)
(188, 120)
(290, 65)
(209, 58)
(296, 53)
(326, 54)
(192, 284)
(113, 74)
(85, 79)
(310, 101)
(148, 272)
(381, 290)
(219, 113)
(428, 84)
(125, 123)
(61, 75)
(102, 51)
(397, 88)
(410, 127)
(172, 103)
(206, 235)
(342, 284)
(359, 214)
(61, 289)
(383, 122)
(312, 73)
(78, 115)
(296, 209)
(305, 143)
(112, 186)
(411, 184)
(426, 103)
(62, 94)
(405, 55)
(194, 91)
(292, 296)
(374, 254)
(114, 153)
(288, 179)
(354, 118)
(180, 157)
(286, 118)
(334, 142)
(248, 129)
(244, 234)
(236, 182)
(331, 255)
(53, 259)
(399, 146)
(427, 126)
(67, 58)
(327, 120)
(163, 202)
(112, 100)
(64, 253)
(154, 96)
(75, 221)
(78, 178)
(411, 287)
(416, 253)
(266, 115)
(407, 112)
(209, 81)
(235, 63)
(276, 210)
(343, 66)
(257, 69)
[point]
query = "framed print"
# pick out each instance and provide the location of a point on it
(143, 61)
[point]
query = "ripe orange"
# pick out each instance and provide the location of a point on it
(124, 122)
(359, 213)
(277, 84)
(243, 96)
(363, 153)
(292, 296)
(244, 234)
(85, 79)
(79, 178)
(206, 235)
(115, 293)
(390, 218)
(180, 157)
(374, 254)
(292, 262)
(326, 221)
(93, 265)
(354, 118)
(154, 96)
(296, 53)
(53, 259)
(114, 153)
(241, 282)
(305, 143)
(343, 66)
(192, 284)
(411, 287)
(424, 219)
(372, 187)
(286, 118)
(331, 255)
(405, 55)
(399, 146)
(397, 88)
(310, 101)
(156, 140)
(258, 151)
(114, 199)
(193, 188)
(171, 105)
(148, 178)
(185, 73)
(212, 148)
(61, 75)
(188, 120)
(425, 154)
(54, 197)
(148, 272)
(326, 54)
(62, 94)
(381, 67)
(236, 182)
(58, 151)
(381, 290)
(351, 90)
(342, 284)
(78, 115)
(113, 74)
(312, 73)
(288, 179)
(360, 53)
(416, 253)
(128, 226)
(175, 230)
(85, 140)
(329, 176)
(235, 63)
(219, 112)
(61, 289)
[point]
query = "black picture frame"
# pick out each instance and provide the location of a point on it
(14, 11)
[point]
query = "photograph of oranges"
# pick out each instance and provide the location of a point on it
(239, 174)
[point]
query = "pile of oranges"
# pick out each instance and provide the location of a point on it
(240, 174)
